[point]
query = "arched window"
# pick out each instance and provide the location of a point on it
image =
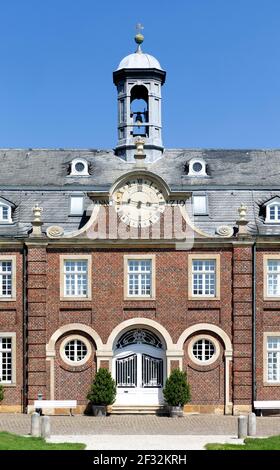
(139, 113)
(5, 213)
(139, 336)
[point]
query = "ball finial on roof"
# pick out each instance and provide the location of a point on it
(139, 38)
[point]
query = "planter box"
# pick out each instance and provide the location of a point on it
(99, 410)
(176, 411)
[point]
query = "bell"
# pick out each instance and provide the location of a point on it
(139, 119)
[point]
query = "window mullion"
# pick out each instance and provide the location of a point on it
(75, 350)
(75, 283)
(203, 282)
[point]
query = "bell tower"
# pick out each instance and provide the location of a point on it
(139, 78)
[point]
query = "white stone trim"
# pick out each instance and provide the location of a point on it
(75, 172)
(198, 327)
(142, 257)
(75, 257)
(79, 327)
(13, 260)
(136, 322)
(208, 338)
(50, 347)
(13, 336)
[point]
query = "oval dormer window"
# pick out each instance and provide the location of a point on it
(197, 167)
(79, 167)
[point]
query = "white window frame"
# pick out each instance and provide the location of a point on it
(74, 258)
(266, 294)
(12, 336)
(127, 273)
(9, 218)
(12, 260)
(276, 206)
(74, 172)
(71, 211)
(203, 257)
(217, 349)
(266, 353)
(75, 338)
(197, 211)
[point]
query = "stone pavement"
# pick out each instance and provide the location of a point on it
(145, 442)
(192, 424)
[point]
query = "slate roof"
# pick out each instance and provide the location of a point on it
(30, 176)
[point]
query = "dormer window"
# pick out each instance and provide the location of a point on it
(79, 167)
(273, 211)
(199, 204)
(197, 167)
(76, 204)
(5, 213)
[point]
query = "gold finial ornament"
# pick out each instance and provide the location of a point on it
(139, 38)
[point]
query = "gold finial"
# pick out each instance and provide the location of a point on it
(139, 38)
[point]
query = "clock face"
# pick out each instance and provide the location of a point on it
(139, 202)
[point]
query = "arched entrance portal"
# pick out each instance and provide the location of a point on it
(139, 368)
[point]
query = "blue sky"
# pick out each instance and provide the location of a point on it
(222, 59)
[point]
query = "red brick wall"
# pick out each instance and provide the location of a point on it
(172, 309)
(268, 320)
(11, 320)
(207, 382)
(73, 383)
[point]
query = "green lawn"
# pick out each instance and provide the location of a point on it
(269, 443)
(10, 441)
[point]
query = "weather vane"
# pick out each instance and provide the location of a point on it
(139, 28)
(139, 38)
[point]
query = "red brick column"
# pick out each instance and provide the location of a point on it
(37, 283)
(242, 327)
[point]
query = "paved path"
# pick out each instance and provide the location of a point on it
(145, 442)
(140, 425)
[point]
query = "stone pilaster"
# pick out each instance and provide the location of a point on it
(37, 284)
(242, 327)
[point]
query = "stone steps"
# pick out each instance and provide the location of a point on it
(134, 409)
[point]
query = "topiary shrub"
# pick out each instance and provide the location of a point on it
(103, 389)
(177, 390)
(1, 393)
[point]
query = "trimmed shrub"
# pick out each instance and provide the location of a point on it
(103, 389)
(177, 390)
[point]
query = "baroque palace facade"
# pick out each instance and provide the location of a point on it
(140, 260)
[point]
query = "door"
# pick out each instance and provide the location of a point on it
(139, 368)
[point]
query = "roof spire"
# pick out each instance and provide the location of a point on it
(139, 38)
